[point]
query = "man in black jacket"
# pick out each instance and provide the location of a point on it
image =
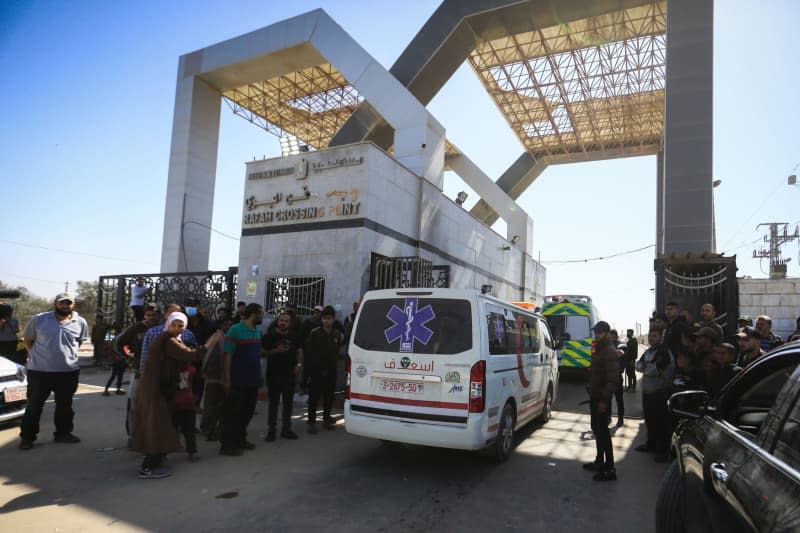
(603, 381)
(322, 356)
(676, 326)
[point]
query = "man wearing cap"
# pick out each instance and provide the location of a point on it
(749, 339)
(725, 368)
(52, 340)
(602, 384)
(768, 339)
(744, 321)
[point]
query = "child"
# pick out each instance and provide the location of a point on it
(183, 411)
(118, 366)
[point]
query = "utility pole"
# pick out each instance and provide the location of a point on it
(66, 286)
(778, 236)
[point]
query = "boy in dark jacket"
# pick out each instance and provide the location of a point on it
(603, 381)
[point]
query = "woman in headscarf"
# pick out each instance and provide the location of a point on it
(154, 433)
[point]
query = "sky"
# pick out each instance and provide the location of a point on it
(88, 93)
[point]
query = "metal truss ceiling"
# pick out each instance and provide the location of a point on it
(595, 84)
(311, 104)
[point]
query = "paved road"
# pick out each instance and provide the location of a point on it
(327, 482)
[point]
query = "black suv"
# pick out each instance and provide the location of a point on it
(737, 463)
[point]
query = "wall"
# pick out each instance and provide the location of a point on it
(778, 298)
(358, 200)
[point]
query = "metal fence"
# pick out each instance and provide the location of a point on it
(303, 291)
(403, 272)
(213, 289)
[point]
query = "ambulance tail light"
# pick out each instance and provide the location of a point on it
(347, 383)
(477, 387)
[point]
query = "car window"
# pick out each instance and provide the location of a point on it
(548, 341)
(415, 325)
(787, 447)
(497, 333)
(531, 338)
(747, 405)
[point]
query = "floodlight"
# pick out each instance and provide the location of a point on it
(461, 198)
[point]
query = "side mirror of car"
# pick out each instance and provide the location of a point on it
(688, 404)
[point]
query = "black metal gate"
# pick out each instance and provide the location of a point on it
(695, 280)
(213, 289)
(303, 291)
(403, 272)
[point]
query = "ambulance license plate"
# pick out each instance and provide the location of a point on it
(15, 394)
(402, 386)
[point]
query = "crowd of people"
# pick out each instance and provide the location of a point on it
(184, 363)
(682, 354)
(182, 359)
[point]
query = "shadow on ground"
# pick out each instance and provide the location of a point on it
(327, 482)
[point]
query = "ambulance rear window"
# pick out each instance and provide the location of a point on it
(415, 325)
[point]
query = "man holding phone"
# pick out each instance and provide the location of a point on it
(284, 363)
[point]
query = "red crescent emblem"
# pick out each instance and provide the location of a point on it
(520, 368)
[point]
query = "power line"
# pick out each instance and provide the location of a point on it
(72, 252)
(600, 258)
(748, 219)
(211, 229)
(31, 278)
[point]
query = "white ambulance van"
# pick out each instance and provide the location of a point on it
(451, 368)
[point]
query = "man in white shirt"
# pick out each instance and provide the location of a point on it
(138, 294)
(52, 340)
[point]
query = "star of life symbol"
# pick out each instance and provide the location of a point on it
(409, 324)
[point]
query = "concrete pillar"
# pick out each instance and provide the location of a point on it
(192, 172)
(688, 172)
(660, 203)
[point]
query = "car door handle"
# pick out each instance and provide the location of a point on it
(718, 473)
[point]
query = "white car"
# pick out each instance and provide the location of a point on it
(13, 390)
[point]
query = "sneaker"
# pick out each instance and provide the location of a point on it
(312, 429)
(247, 445)
(26, 445)
(106, 393)
(594, 466)
(67, 438)
(194, 457)
(606, 475)
(154, 473)
(231, 452)
(289, 434)
(120, 391)
(270, 436)
(330, 425)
